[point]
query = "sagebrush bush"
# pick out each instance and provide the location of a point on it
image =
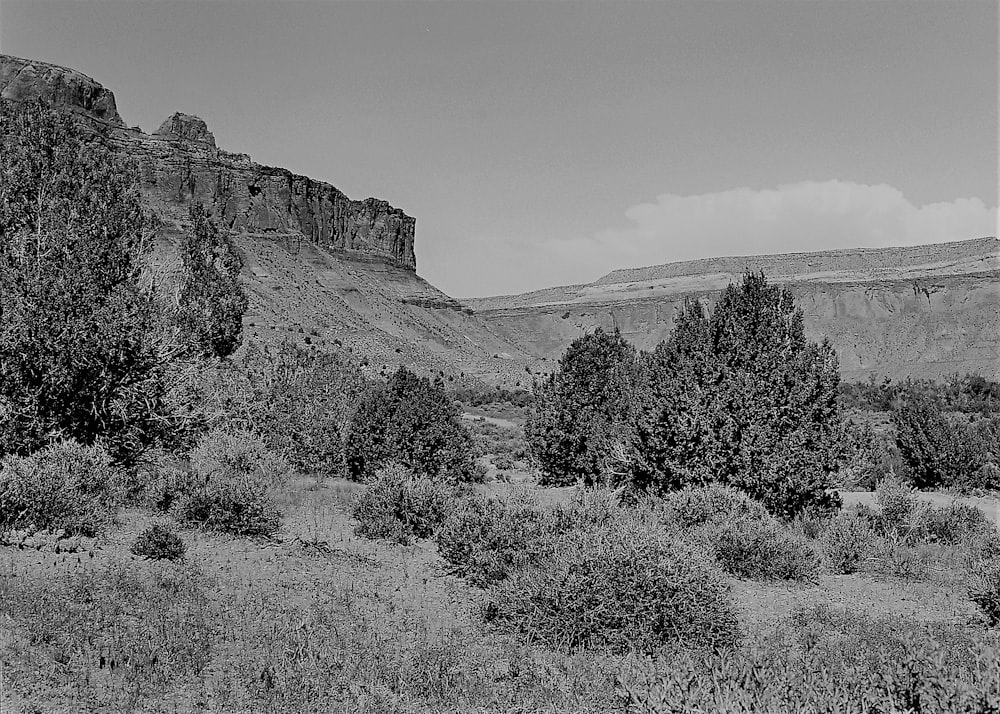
(898, 505)
(486, 538)
(398, 506)
(235, 475)
(628, 585)
(64, 486)
(698, 505)
(760, 549)
(984, 588)
(954, 523)
(847, 542)
(158, 542)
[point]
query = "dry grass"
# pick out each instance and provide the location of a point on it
(319, 619)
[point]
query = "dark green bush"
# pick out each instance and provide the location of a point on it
(583, 409)
(158, 542)
(412, 421)
(211, 299)
(952, 524)
(80, 351)
(629, 585)
(64, 486)
(400, 507)
(741, 397)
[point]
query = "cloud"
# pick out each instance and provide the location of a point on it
(805, 216)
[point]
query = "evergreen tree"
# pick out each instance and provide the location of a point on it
(412, 421)
(212, 301)
(77, 355)
(743, 398)
(581, 414)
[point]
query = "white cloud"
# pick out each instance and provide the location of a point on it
(795, 217)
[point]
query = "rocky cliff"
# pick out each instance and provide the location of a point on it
(925, 311)
(180, 163)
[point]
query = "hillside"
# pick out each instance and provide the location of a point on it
(922, 311)
(319, 265)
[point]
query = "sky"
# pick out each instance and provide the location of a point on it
(548, 143)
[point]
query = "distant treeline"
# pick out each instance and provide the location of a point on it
(970, 394)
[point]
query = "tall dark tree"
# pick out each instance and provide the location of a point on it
(581, 414)
(212, 300)
(77, 358)
(412, 421)
(740, 396)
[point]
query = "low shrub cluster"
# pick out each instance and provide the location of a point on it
(158, 542)
(621, 586)
(401, 507)
(847, 542)
(829, 662)
(64, 486)
(229, 490)
(745, 539)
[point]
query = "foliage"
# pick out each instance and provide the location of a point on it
(953, 524)
(211, 299)
(984, 589)
(410, 420)
(64, 486)
(401, 507)
(969, 394)
(300, 400)
(158, 542)
(847, 542)
(760, 549)
(626, 585)
(938, 451)
(898, 506)
(582, 411)
(486, 538)
(235, 475)
(483, 396)
(696, 506)
(741, 397)
(80, 355)
(827, 661)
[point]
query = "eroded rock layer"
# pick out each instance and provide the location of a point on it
(180, 163)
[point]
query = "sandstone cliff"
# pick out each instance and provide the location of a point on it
(180, 162)
(925, 311)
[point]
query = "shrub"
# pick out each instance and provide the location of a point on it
(158, 542)
(487, 538)
(984, 589)
(954, 523)
(503, 462)
(80, 355)
(938, 451)
(760, 549)
(694, 506)
(398, 506)
(741, 397)
(413, 421)
(847, 542)
(898, 506)
(299, 400)
(627, 585)
(237, 474)
(64, 486)
(582, 409)
(211, 301)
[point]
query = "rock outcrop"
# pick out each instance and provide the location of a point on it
(924, 311)
(180, 163)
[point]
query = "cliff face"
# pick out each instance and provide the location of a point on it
(925, 311)
(180, 163)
